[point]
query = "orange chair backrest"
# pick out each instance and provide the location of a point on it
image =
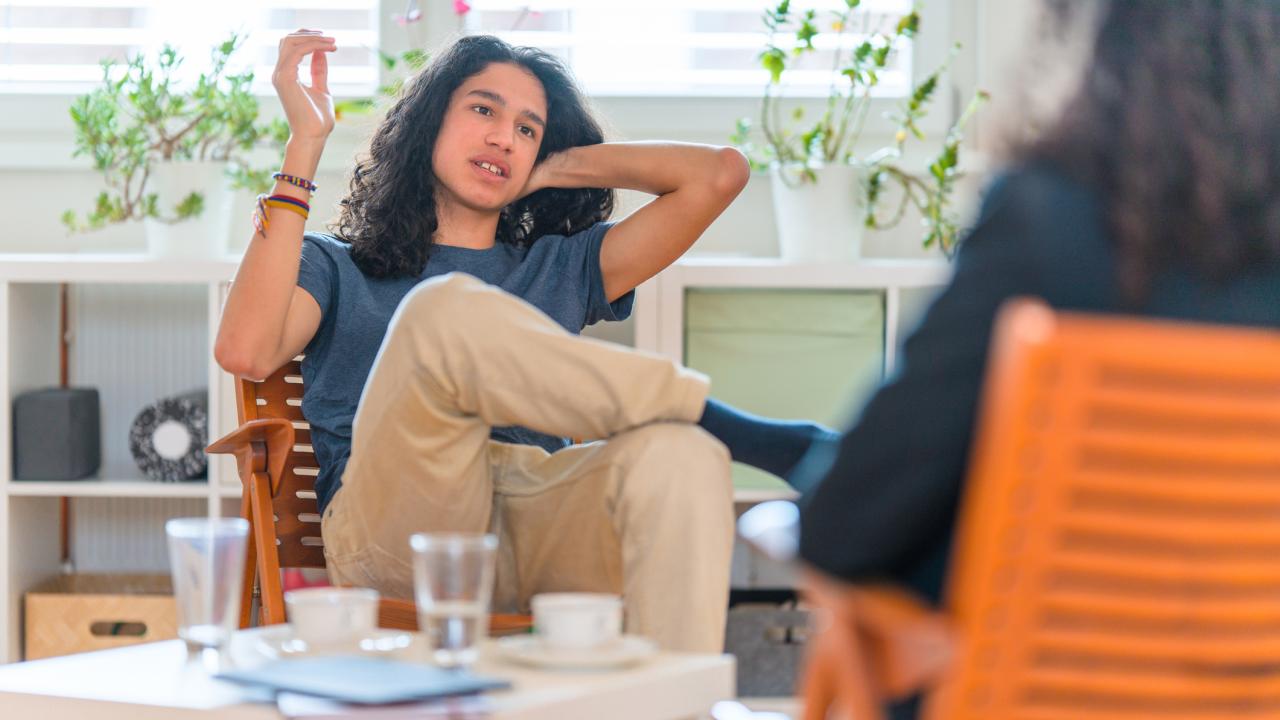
(293, 493)
(1118, 548)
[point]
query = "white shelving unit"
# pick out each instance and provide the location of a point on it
(120, 489)
(29, 517)
(28, 324)
(660, 312)
(659, 308)
(659, 327)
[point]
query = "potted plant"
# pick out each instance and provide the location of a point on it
(171, 155)
(824, 193)
(400, 67)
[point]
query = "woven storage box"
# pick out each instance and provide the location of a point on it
(80, 613)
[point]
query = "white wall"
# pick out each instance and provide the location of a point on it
(39, 179)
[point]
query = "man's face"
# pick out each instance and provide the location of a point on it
(490, 138)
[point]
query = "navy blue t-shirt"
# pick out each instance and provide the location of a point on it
(559, 275)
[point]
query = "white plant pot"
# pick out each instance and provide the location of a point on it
(819, 221)
(204, 236)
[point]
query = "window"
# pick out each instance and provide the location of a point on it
(685, 47)
(56, 45)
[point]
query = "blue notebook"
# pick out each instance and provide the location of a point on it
(366, 681)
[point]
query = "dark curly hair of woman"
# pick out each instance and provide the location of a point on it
(1176, 126)
(389, 215)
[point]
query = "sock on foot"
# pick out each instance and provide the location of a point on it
(772, 445)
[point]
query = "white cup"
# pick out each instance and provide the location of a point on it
(577, 621)
(329, 617)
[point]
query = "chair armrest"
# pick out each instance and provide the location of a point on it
(501, 625)
(259, 446)
(399, 614)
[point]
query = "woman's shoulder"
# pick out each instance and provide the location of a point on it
(1039, 191)
(1043, 225)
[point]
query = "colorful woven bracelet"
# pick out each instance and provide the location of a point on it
(288, 203)
(301, 213)
(260, 220)
(292, 201)
(296, 181)
(259, 223)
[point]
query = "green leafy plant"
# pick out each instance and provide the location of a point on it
(402, 66)
(139, 116)
(791, 141)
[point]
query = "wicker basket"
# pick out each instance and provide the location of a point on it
(80, 613)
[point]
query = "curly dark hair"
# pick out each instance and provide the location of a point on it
(1176, 126)
(389, 215)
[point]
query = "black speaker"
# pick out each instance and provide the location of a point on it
(56, 434)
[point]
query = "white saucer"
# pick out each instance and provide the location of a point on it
(530, 650)
(278, 641)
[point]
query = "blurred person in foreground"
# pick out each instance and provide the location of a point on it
(1154, 191)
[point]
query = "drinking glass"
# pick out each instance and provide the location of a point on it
(453, 583)
(206, 556)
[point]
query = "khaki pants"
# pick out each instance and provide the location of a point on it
(646, 513)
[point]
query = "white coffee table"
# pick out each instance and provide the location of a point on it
(156, 681)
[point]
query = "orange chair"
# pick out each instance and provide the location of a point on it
(1118, 547)
(272, 447)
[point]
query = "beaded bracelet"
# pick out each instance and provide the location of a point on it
(296, 181)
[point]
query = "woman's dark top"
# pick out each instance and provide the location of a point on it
(885, 506)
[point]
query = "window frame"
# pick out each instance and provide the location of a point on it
(736, 91)
(191, 62)
(39, 137)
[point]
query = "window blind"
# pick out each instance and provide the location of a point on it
(57, 45)
(688, 47)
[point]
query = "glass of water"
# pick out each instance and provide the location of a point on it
(453, 582)
(207, 557)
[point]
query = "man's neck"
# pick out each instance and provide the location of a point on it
(461, 226)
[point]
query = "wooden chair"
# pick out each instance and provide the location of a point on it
(273, 451)
(1118, 547)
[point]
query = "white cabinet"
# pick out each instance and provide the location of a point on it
(142, 329)
(899, 288)
(853, 314)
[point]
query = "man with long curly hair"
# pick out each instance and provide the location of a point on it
(443, 367)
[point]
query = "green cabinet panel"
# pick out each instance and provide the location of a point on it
(786, 353)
